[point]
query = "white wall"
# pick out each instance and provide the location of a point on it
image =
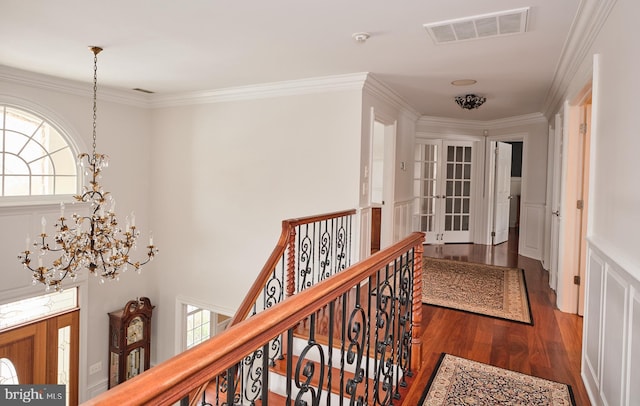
(226, 174)
(612, 319)
(123, 134)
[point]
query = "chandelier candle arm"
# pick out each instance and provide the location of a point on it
(94, 242)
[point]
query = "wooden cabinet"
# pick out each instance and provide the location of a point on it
(129, 340)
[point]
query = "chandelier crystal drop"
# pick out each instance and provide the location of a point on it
(96, 241)
(470, 101)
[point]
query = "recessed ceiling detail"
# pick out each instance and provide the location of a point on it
(464, 82)
(481, 26)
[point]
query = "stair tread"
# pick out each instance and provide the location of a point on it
(281, 369)
(274, 400)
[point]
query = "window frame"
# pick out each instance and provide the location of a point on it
(68, 135)
(216, 312)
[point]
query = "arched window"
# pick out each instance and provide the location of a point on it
(8, 374)
(35, 158)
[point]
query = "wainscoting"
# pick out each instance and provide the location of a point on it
(611, 338)
(532, 230)
(402, 219)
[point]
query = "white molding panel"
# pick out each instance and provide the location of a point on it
(365, 233)
(531, 230)
(633, 366)
(402, 219)
(611, 335)
(97, 388)
(592, 329)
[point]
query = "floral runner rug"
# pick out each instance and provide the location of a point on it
(459, 381)
(489, 290)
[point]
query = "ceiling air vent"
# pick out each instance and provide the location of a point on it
(481, 26)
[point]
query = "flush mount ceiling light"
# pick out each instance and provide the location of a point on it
(360, 37)
(470, 101)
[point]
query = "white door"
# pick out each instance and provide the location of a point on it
(556, 191)
(502, 193)
(443, 190)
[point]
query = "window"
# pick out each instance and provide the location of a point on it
(8, 374)
(35, 158)
(34, 308)
(202, 324)
(198, 325)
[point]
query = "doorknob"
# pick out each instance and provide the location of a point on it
(556, 213)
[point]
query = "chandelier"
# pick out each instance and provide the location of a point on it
(470, 101)
(96, 241)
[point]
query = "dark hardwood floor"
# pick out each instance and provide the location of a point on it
(549, 349)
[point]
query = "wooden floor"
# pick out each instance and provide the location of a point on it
(549, 349)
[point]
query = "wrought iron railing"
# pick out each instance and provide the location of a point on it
(356, 332)
(309, 250)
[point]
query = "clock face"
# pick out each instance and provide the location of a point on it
(135, 330)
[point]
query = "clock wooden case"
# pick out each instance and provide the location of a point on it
(129, 340)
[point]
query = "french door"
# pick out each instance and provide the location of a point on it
(443, 190)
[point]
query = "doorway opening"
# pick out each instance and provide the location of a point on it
(382, 166)
(505, 184)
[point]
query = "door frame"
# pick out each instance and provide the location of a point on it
(554, 212)
(572, 227)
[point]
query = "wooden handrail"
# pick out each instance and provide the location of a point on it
(171, 380)
(288, 227)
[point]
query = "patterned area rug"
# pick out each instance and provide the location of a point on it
(489, 290)
(459, 381)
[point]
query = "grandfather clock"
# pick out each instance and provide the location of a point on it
(129, 340)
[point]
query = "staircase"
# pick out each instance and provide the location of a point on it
(332, 355)
(313, 330)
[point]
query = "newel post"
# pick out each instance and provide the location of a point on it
(416, 319)
(291, 262)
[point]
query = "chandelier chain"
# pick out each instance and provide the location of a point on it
(95, 95)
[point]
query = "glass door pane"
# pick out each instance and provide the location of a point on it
(64, 358)
(457, 188)
(426, 187)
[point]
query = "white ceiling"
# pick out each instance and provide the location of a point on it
(171, 46)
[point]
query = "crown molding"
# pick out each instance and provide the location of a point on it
(335, 83)
(381, 90)
(526, 119)
(591, 16)
(71, 87)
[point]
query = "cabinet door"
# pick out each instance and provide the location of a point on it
(443, 190)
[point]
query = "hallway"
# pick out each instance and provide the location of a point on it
(550, 349)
